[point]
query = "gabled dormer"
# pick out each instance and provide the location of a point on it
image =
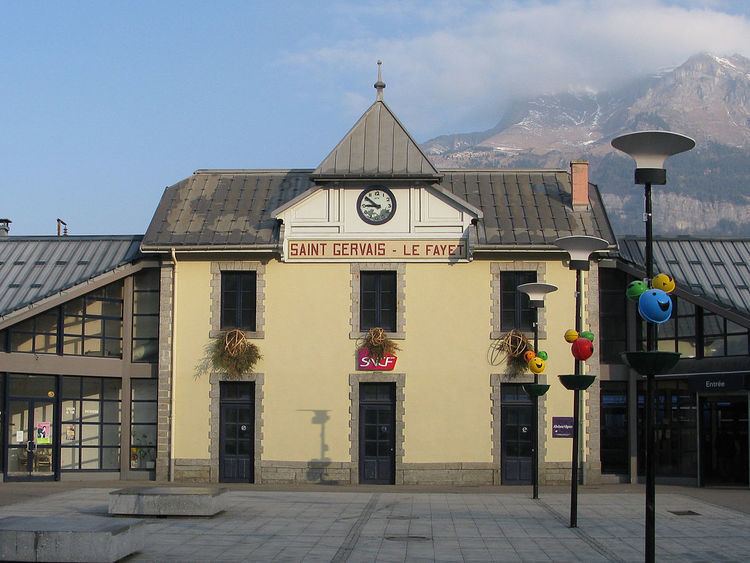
(377, 185)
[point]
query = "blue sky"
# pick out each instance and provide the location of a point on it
(103, 104)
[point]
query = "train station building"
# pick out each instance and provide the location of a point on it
(106, 342)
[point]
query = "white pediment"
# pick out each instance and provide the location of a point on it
(329, 213)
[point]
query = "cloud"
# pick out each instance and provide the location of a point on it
(452, 64)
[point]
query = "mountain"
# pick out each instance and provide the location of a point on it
(707, 98)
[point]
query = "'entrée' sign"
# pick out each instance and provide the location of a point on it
(309, 250)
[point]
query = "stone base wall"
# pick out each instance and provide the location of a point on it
(554, 473)
(455, 474)
(290, 472)
(195, 471)
(342, 473)
(592, 473)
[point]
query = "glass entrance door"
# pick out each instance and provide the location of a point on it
(30, 439)
(724, 435)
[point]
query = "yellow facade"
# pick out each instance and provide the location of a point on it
(308, 356)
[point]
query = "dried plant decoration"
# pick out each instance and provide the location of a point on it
(378, 344)
(234, 354)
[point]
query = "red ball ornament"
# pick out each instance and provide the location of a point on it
(582, 349)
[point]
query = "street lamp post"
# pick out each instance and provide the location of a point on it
(536, 293)
(650, 149)
(580, 248)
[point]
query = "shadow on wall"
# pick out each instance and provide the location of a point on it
(316, 472)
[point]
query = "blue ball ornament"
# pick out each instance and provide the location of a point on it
(655, 306)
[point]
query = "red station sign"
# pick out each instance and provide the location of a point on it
(366, 363)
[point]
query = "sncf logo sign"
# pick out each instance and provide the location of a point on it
(366, 363)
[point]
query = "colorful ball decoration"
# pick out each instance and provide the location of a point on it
(655, 306)
(570, 335)
(537, 365)
(665, 282)
(582, 349)
(636, 289)
(588, 335)
(542, 354)
(528, 355)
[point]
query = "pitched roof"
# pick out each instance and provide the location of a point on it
(716, 269)
(232, 209)
(33, 268)
(223, 209)
(377, 147)
(527, 207)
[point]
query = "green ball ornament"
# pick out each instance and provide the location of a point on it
(542, 354)
(588, 335)
(635, 289)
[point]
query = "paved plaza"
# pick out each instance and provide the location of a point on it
(392, 524)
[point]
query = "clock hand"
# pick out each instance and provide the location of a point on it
(375, 204)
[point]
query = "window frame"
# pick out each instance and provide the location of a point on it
(356, 268)
(379, 311)
(497, 269)
(217, 268)
(80, 423)
(521, 304)
(246, 290)
(136, 315)
(132, 446)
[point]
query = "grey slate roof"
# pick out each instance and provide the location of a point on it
(231, 209)
(717, 269)
(377, 146)
(32, 268)
(527, 207)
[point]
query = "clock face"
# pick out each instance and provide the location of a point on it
(376, 205)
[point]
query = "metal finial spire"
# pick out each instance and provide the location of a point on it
(379, 85)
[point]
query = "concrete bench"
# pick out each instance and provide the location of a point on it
(69, 538)
(167, 501)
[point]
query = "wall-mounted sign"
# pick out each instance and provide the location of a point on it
(721, 382)
(366, 363)
(347, 250)
(43, 433)
(562, 426)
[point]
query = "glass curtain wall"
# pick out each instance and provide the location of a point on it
(143, 424)
(676, 429)
(91, 410)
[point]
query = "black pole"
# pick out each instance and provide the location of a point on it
(576, 408)
(535, 432)
(651, 336)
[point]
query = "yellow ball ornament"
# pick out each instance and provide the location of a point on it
(665, 282)
(571, 335)
(537, 365)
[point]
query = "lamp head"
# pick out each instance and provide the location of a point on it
(650, 149)
(536, 292)
(580, 248)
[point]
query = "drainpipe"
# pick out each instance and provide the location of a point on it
(172, 363)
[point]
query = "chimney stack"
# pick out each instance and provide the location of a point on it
(5, 227)
(579, 180)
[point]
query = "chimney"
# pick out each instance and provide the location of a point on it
(579, 179)
(5, 227)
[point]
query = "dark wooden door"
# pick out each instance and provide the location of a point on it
(237, 433)
(516, 436)
(724, 436)
(377, 433)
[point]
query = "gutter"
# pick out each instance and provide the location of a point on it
(172, 366)
(218, 248)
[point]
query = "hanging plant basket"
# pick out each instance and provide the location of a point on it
(378, 344)
(510, 348)
(234, 354)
